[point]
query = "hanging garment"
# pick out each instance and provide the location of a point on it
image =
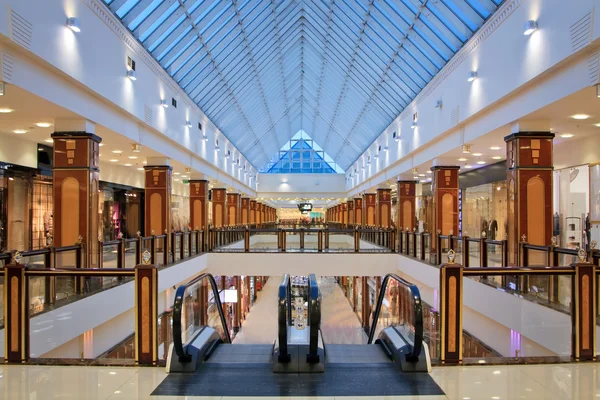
(493, 230)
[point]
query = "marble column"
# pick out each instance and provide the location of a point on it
(358, 211)
(370, 204)
(406, 205)
(245, 213)
(351, 212)
(384, 208)
(75, 186)
(199, 204)
(252, 212)
(444, 187)
(529, 166)
(158, 187)
(219, 209)
(233, 209)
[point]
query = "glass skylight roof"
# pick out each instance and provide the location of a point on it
(262, 70)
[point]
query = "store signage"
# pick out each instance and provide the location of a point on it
(305, 207)
(185, 181)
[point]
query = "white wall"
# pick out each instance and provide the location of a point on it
(88, 76)
(14, 150)
(507, 63)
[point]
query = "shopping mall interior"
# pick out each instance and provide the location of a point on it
(299, 198)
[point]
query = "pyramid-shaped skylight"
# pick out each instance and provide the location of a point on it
(301, 155)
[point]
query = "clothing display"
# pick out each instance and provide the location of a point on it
(493, 230)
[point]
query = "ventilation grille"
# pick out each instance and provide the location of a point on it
(8, 62)
(454, 117)
(21, 30)
(594, 68)
(581, 32)
(148, 115)
(141, 134)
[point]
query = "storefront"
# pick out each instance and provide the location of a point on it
(571, 220)
(121, 210)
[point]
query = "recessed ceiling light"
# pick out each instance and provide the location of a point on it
(421, 174)
(495, 148)
(114, 160)
(176, 173)
(415, 177)
(480, 162)
(49, 140)
(566, 135)
(20, 131)
(462, 159)
(140, 169)
(497, 158)
(468, 166)
(117, 151)
(580, 116)
(429, 172)
(128, 165)
(101, 144)
(132, 157)
(144, 162)
(477, 154)
(6, 110)
(43, 124)
(530, 27)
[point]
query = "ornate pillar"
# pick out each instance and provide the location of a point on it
(529, 166)
(384, 208)
(344, 213)
(358, 211)
(233, 208)
(75, 186)
(444, 187)
(158, 185)
(262, 213)
(219, 210)
(199, 204)
(350, 212)
(245, 211)
(370, 203)
(252, 212)
(406, 205)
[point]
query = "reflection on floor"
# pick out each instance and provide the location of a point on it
(548, 382)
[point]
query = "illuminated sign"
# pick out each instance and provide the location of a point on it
(305, 207)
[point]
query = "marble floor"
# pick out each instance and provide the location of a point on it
(548, 382)
(260, 326)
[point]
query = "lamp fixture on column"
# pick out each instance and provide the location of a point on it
(131, 74)
(414, 121)
(164, 103)
(530, 27)
(188, 124)
(396, 136)
(73, 24)
(472, 76)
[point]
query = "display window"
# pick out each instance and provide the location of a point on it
(120, 211)
(571, 218)
(484, 211)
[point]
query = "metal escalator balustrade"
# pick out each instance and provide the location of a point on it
(411, 352)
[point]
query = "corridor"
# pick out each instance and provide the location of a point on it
(260, 326)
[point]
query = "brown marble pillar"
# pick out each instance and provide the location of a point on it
(406, 205)
(262, 214)
(358, 211)
(219, 210)
(245, 211)
(233, 209)
(444, 187)
(199, 204)
(529, 166)
(344, 213)
(158, 185)
(370, 203)
(384, 208)
(350, 212)
(75, 190)
(252, 212)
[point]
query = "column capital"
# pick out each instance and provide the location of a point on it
(530, 135)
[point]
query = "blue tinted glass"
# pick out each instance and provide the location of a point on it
(159, 21)
(126, 7)
(144, 14)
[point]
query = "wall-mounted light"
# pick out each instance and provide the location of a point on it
(73, 24)
(164, 103)
(438, 104)
(188, 124)
(414, 121)
(396, 136)
(131, 74)
(530, 27)
(385, 149)
(205, 138)
(217, 148)
(228, 154)
(376, 155)
(472, 76)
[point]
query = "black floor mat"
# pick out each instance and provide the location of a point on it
(259, 380)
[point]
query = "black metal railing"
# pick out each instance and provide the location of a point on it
(284, 317)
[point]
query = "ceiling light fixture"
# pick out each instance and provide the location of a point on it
(566, 135)
(495, 148)
(44, 124)
(164, 103)
(468, 166)
(480, 162)
(429, 171)
(128, 165)
(598, 90)
(472, 76)
(5, 110)
(132, 157)
(462, 159)
(140, 169)
(114, 160)
(73, 24)
(385, 149)
(20, 131)
(49, 140)
(205, 138)
(477, 154)
(117, 151)
(466, 149)
(580, 116)
(497, 158)
(530, 27)
(131, 74)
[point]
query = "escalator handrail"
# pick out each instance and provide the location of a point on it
(314, 317)
(417, 310)
(284, 316)
(177, 310)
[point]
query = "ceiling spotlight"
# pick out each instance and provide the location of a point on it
(140, 169)
(396, 136)
(477, 154)
(462, 159)
(2, 88)
(580, 116)
(416, 177)
(136, 147)
(468, 166)
(164, 103)
(421, 175)
(117, 151)
(101, 144)
(466, 149)
(114, 160)
(530, 27)
(131, 74)
(188, 124)
(480, 162)
(496, 158)
(49, 140)
(472, 76)
(132, 157)
(176, 173)
(73, 24)
(5, 110)
(566, 135)
(495, 148)
(128, 165)
(429, 171)
(44, 124)
(20, 131)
